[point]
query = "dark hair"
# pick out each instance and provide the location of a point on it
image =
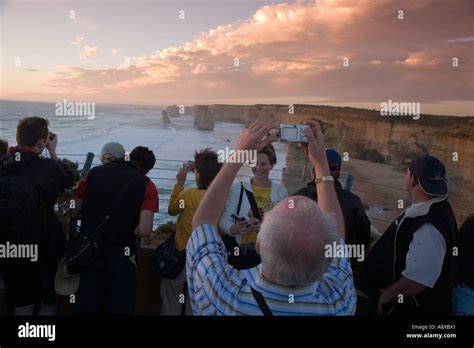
(30, 130)
(143, 158)
(207, 164)
(269, 150)
(3, 147)
(466, 252)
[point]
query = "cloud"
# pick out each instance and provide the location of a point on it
(114, 51)
(33, 70)
(89, 52)
(292, 50)
(462, 39)
(86, 23)
(77, 40)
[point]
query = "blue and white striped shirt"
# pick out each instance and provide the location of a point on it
(216, 288)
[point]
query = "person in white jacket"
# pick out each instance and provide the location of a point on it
(267, 193)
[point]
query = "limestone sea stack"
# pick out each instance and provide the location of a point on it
(166, 118)
(173, 111)
(203, 119)
(180, 110)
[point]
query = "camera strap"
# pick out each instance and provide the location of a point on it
(252, 201)
(253, 204)
(261, 303)
(240, 198)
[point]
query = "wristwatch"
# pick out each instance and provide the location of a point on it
(324, 178)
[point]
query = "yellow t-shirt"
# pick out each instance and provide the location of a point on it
(263, 197)
(185, 203)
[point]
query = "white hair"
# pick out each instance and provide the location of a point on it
(292, 242)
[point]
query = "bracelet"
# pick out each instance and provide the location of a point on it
(324, 179)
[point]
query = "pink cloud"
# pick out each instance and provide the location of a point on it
(289, 50)
(89, 52)
(86, 23)
(114, 51)
(77, 40)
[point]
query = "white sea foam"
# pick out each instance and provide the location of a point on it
(131, 126)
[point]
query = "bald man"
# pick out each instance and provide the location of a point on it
(300, 273)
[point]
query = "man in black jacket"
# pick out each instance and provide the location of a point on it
(356, 221)
(120, 190)
(31, 279)
(409, 271)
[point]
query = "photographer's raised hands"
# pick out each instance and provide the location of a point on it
(316, 147)
(253, 138)
(51, 144)
(327, 198)
(181, 175)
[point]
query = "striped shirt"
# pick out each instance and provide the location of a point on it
(216, 288)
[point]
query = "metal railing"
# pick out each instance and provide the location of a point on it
(161, 175)
(158, 175)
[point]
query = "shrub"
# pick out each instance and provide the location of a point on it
(372, 155)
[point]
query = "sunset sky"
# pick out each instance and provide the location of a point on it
(240, 52)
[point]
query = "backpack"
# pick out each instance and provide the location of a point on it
(20, 204)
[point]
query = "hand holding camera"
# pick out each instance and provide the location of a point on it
(315, 147)
(255, 137)
(243, 225)
(51, 143)
(189, 166)
(181, 176)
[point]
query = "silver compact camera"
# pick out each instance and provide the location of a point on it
(289, 133)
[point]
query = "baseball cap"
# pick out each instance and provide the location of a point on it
(114, 149)
(430, 173)
(334, 160)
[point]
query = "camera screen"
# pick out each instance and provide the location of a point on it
(289, 133)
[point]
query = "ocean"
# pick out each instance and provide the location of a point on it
(132, 126)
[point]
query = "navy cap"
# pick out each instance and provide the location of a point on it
(334, 160)
(430, 173)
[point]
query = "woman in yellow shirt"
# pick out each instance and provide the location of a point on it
(184, 202)
(267, 194)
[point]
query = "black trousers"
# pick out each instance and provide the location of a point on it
(27, 282)
(108, 287)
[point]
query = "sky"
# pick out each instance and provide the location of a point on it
(329, 52)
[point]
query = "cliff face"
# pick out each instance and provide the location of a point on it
(396, 140)
(204, 119)
(174, 110)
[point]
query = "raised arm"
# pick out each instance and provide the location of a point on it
(327, 198)
(212, 204)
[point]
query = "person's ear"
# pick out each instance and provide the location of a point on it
(257, 247)
(413, 180)
(40, 145)
(42, 142)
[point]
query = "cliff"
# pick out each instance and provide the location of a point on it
(176, 111)
(365, 134)
(204, 119)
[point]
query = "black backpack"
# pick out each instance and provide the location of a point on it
(19, 204)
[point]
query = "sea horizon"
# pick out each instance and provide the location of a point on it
(163, 107)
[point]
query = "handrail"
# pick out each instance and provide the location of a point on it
(357, 187)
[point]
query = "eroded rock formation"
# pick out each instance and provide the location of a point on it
(362, 133)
